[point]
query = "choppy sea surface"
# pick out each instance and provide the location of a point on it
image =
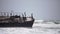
(37, 28)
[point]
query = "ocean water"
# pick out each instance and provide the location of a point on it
(38, 28)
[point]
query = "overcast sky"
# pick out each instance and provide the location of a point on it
(41, 9)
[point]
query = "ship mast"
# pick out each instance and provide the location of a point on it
(11, 13)
(31, 15)
(24, 14)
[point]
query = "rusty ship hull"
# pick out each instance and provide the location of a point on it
(25, 24)
(15, 21)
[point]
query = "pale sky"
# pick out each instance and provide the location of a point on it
(41, 9)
